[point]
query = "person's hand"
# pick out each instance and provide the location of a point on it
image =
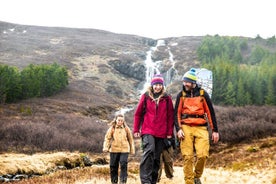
(180, 134)
(136, 134)
(215, 137)
(105, 151)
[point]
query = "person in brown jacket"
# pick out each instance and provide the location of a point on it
(119, 143)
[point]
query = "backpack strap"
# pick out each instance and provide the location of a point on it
(183, 97)
(144, 108)
(113, 130)
(201, 92)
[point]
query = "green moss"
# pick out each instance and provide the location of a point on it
(239, 166)
(252, 149)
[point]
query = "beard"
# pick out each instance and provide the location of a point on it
(188, 88)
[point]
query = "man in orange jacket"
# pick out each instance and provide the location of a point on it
(193, 112)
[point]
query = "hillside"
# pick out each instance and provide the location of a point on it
(107, 70)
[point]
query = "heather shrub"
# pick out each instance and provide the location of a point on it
(238, 124)
(85, 133)
(74, 134)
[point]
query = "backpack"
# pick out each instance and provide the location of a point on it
(205, 79)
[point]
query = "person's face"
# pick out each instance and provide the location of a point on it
(157, 88)
(120, 121)
(188, 85)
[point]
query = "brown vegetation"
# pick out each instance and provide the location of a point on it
(254, 162)
(75, 120)
(27, 129)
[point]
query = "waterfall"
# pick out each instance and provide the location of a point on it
(124, 110)
(172, 72)
(205, 79)
(152, 68)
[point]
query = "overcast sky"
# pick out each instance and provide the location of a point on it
(150, 18)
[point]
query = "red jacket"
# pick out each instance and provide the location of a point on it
(158, 119)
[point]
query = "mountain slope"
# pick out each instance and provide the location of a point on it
(102, 65)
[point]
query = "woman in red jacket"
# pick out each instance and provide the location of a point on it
(153, 121)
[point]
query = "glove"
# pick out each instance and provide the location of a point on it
(167, 143)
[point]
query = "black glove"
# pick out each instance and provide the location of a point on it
(167, 143)
(173, 142)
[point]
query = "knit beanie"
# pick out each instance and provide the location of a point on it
(157, 79)
(190, 76)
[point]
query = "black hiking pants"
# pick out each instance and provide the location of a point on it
(150, 162)
(117, 159)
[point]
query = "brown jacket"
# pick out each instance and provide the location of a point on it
(119, 140)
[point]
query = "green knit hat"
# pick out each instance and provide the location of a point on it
(190, 76)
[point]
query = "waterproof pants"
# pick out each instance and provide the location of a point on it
(196, 142)
(150, 162)
(117, 159)
(167, 159)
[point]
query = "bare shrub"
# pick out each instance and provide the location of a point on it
(77, 133)
(85, 133)
(238, 124)
(103, 68)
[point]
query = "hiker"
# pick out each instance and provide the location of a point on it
(167, 159)
(193, 109)
(119, 142)
(153, 122)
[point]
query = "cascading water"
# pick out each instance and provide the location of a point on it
(172, 72)
(152, 68)
(204, 76)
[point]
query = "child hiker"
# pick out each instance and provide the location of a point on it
(119, 143)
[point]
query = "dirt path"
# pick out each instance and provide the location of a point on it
(210, 176)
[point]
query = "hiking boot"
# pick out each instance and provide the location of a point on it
(197, 181)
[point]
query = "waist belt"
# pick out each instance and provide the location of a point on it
(185, 116)
(193, 124)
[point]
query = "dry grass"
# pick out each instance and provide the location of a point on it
(236, 164)
(100, 175)
(39, 164)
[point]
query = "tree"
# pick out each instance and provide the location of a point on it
(10, 88)
(230, 94)
(241, 100)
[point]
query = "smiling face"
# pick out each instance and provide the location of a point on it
(188, 85)
(157, 88)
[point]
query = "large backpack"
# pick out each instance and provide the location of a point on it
(205, 79)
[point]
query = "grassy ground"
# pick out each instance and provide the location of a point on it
(242, 163)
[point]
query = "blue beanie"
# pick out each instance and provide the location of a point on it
(190, 76)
